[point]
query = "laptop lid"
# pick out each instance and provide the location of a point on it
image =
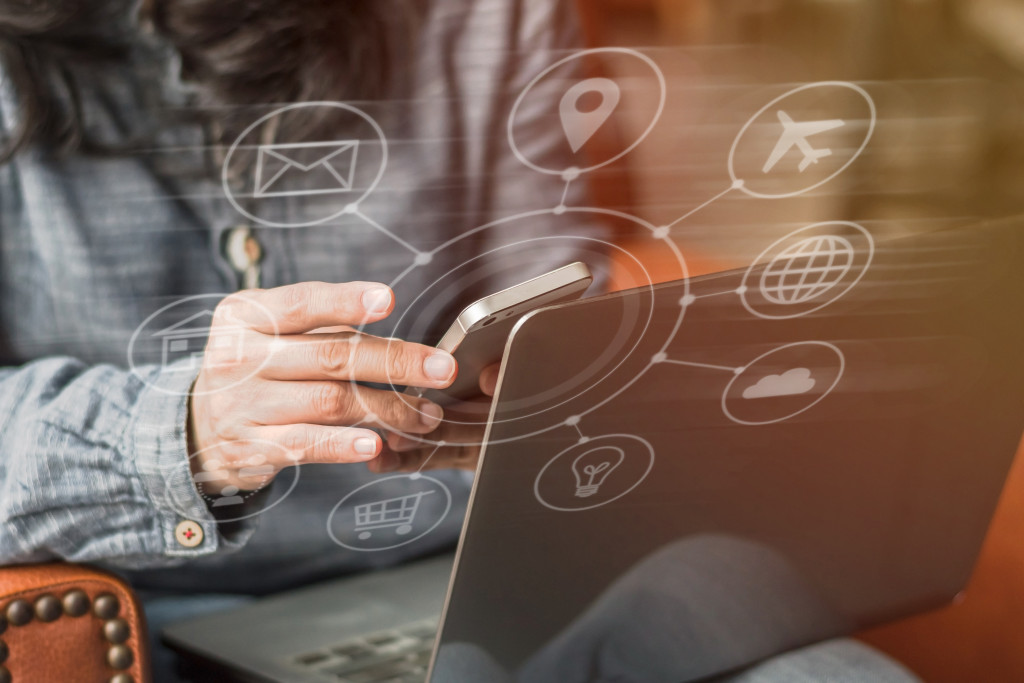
(683, 479)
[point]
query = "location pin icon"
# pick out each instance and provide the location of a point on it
(580, 126)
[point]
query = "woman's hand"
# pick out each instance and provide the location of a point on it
(291, 382)
(462, 434)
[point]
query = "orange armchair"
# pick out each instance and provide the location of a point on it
(63, 623)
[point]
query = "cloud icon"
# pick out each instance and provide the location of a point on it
(790, 383)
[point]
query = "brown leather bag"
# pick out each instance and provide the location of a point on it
(66, 623)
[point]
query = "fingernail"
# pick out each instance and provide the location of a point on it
(376, 300)
(439, 366)
(364, 445)
(431, 415)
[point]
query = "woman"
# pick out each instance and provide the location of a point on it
(132, 190)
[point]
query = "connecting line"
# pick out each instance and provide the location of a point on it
(387, 232)
(579, 431)
(702, 365)
(706, 296)
(427, 459)
(705, 204)
(565, 193)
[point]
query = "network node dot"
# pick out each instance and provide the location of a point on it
(573, 420)
(294, 456)
(351, 208)
(423, 258)
(661, 233)
(737, 184)
(738, 371)
(584, 439)
(741, 290)
(559, 210)
(687, 300)
(570, 174)
(414, 476)
(371, 417)
(659, 357)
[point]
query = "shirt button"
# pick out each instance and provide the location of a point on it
(188, 534)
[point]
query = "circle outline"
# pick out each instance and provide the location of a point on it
(251, 515)
(760, 261)
(226, 185)
(736, 376)
(375, 482)
(588, 448)
(133, 367)
(742, 183)
(672, 246)
(817, 289)
(647, 324)
(662, 96)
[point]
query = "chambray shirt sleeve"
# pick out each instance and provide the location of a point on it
(94, 466)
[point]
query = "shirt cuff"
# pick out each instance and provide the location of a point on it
(158, 445)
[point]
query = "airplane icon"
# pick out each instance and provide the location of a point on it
(796, 134)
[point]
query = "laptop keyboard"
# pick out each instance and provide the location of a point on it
(399, 655)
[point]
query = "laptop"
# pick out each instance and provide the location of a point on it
(684, 479)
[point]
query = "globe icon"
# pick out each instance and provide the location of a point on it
(807, 269)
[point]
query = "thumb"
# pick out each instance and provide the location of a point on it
(489, 379)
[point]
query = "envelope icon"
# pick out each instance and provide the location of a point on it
(300, 169)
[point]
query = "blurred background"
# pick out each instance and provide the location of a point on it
(947, 77)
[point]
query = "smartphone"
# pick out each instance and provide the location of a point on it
(478, 335)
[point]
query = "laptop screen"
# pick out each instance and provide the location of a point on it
(686, 478)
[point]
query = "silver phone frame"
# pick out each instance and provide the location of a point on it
(501, 302)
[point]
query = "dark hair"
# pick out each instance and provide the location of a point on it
(236, 52)
(38, 42)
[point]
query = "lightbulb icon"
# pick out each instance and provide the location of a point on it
(592, 468)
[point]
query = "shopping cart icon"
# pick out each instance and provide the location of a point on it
(392, 513)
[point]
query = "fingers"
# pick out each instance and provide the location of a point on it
(451, 432)
(344, 403)
(433, 457)
(399, 443)
(350, 355)
(250, 463)
(489, 379)
(452, 445)
(305, 306)
(311, 443)
(303, 394)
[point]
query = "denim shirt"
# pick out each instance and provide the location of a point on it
(93, 454)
